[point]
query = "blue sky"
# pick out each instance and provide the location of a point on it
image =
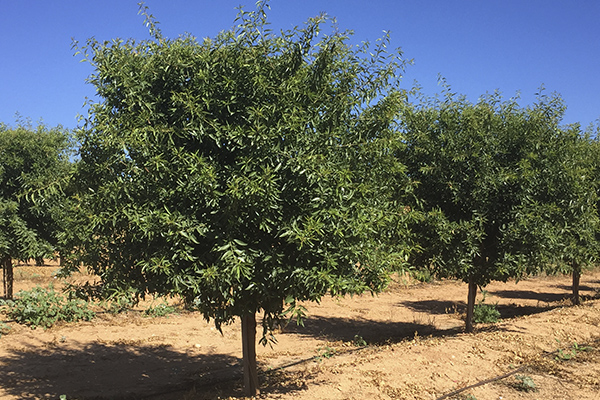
(478, 46)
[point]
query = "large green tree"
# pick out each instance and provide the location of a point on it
(480, 171)
(246, 172)
(33, 164)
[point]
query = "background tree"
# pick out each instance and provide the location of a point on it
(245, 173)
(475, 167)
(560, 205)
(31, 160)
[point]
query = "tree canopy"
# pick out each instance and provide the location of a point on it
(487, 174)
(562, 203)
(32, 160)
(246, 172)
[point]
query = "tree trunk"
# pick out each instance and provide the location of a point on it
(470, 306)
(249, 352)
(7, 269)
(576, 278)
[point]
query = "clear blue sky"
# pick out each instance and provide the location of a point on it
(478, 46)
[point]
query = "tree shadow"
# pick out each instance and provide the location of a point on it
(582, 288)
(371, 331)
(110, 371)
(508, 311)
(437, 307)
(530, 295)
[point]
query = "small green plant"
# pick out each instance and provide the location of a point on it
(4, 328)
(160, 310)
(359, 341)
(565, 355)
(524, 383)
(422, 275)
(485, 313)
(119, 302)
(44, 307)
(325, 352)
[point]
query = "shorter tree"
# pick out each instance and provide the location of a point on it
(560, 206)
(31, 162)
(476, 167)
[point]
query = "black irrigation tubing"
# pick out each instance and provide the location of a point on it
(490, 380)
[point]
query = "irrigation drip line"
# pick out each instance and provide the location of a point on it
(490, 380)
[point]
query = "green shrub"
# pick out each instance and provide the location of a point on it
(567, 354)
(422, 275)
(160, 310)
(4, 328)
(524, 383)
(118, 302)
(44, 307)
(485, 313)
(359, 341)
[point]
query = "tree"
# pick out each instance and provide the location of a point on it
(31, 161)
(245, 173)
(477, 168)
(561, 204)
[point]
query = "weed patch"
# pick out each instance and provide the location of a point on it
(44, 307)
(485, 313)
(524, 383)
(160, 310)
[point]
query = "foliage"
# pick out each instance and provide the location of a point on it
(118, 302)
(160, 310)
(44, 307)
(485, 313)
(31, 160)
(246, 172)
(524, 383)
(422, 275)
(560, 209)
(359, 341)
(325, 352)
(34, 164)
(4, 328)
(565, 355)
(482, 175)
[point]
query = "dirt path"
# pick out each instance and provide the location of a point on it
(406, 343)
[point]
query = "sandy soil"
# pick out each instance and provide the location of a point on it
(406, 343)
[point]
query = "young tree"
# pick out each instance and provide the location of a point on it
(245, 173)
(477, 168)
(31, 160)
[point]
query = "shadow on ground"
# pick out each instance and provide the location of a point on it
(531, 295)
(435, 307)
(372, 332)
(96, 371)
(582, 288)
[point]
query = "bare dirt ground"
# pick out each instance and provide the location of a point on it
(406, 343)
